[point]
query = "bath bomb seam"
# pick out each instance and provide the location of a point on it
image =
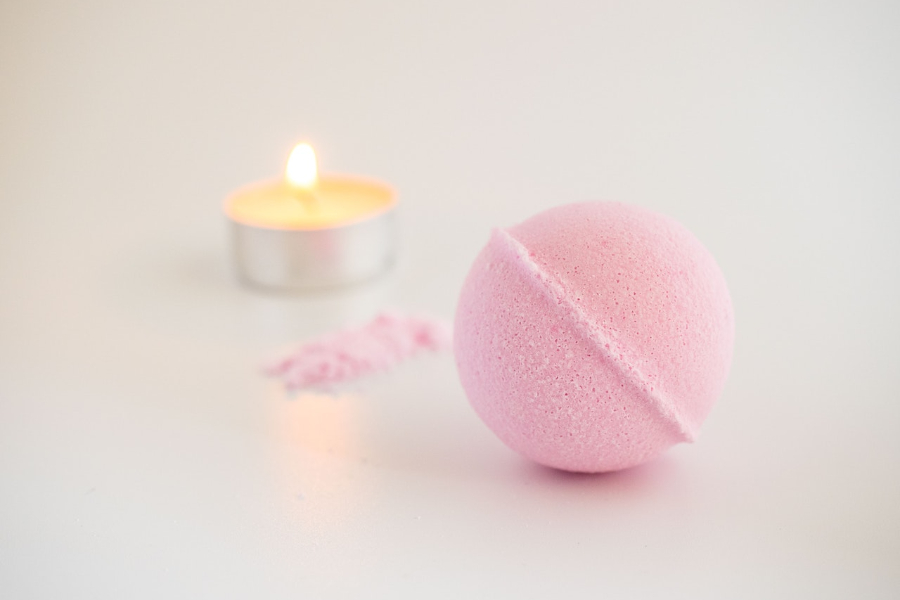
(616, 356)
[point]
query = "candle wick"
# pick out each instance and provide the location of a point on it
(305, 195)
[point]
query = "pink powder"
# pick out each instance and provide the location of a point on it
(349, 354)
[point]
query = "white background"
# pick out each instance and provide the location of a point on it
(143, 456)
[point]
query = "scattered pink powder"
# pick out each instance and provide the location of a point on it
(348, 354)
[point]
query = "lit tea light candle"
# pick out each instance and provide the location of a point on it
(310, 230)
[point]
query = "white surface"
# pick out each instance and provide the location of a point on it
(141, 454)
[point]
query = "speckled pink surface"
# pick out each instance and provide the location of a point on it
(593, 336)
(349, 354)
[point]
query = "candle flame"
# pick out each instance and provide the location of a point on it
(301, 169)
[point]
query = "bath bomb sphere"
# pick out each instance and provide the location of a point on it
(593, 336)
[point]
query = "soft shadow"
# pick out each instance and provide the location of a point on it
(194, 292)
(653, 474)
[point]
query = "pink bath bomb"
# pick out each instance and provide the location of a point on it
(593, 336)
